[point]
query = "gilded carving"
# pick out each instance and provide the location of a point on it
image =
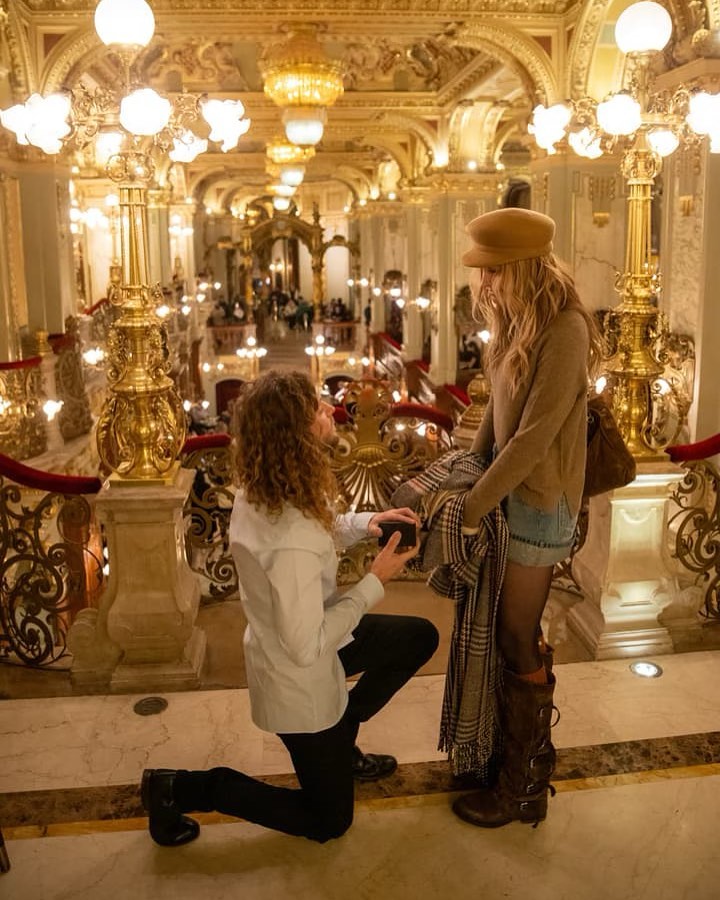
(432, 61)
(194, 61)
(519, 52)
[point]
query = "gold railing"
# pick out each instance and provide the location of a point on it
(51, 563)
(694, 527)
(23, 426)
(207, 515)
(383, 444)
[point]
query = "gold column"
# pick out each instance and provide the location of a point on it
(142, 425)
(636, 328)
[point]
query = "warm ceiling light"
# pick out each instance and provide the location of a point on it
(128, 23)
(302, 79)
(304, 125)
(292, 175)
(282, 152)
(282, 204)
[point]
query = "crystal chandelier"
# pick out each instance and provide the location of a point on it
(300, 78)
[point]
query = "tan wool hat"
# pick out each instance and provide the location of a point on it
(508, 235)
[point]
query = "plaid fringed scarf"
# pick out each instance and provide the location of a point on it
(469, 569)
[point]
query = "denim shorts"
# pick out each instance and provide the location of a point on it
(538, 537)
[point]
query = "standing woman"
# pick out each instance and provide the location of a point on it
(305, 634)
(543, 346)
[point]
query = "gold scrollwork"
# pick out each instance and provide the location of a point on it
(48, 571)
(695, 528)
(207, 520)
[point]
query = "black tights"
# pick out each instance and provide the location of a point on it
(524, 595)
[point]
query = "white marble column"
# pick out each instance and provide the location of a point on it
(625, 570)
(143, 637)
(443, 338)
(12, 287)
(49, 273)
(158, 220)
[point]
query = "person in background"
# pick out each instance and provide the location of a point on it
(305, 634)
(544, 346)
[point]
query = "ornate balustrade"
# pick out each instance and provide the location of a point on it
(387, 355)
(23, 426)
(226, 339)
(51, 563)
(75, 417)
(207, 514)
(694, 526)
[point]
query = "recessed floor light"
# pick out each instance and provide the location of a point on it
(646, 669)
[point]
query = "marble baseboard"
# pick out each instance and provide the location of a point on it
(43, 808)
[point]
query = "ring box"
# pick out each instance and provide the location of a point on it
(407, 530)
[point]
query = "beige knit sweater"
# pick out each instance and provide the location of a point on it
(541, 432)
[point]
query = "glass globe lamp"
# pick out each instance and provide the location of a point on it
(619, 114)
(144, 112)
(304, 125)
(643, 28)
(124, 22)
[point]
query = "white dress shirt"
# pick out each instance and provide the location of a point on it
(297, 617)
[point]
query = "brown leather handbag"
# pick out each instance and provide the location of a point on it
(609, 463)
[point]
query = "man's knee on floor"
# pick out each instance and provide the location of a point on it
(331, 827)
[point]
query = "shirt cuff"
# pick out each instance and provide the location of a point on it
(371, 589)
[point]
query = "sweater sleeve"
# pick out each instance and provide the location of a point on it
(485, 436)
(560, 378)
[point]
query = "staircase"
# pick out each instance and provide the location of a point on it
(285, 348)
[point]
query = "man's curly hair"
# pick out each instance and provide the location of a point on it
(278, 458)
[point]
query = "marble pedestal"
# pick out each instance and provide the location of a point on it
(143, 637)
(625, 570)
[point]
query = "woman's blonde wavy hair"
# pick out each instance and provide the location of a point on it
(518, 301)
(278, 459)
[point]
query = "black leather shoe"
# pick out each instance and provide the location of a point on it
(168, 826)
(371, 766)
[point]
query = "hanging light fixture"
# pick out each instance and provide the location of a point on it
(302, 79)
(78, 117)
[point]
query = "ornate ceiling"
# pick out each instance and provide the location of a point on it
(428, 83)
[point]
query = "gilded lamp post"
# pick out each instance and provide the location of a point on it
(648, 126)
(141, 428)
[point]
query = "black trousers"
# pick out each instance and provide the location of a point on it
(388, 650)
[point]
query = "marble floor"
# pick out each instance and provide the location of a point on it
(636, 815)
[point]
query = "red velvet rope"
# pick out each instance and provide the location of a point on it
(423, 411)
(206, 442)
(96, 306)
(457, 392)
(699, 450)
(47, 481)
(59, 341)
(29, 363)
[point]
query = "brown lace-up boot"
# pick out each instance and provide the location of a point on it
(528, 760)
